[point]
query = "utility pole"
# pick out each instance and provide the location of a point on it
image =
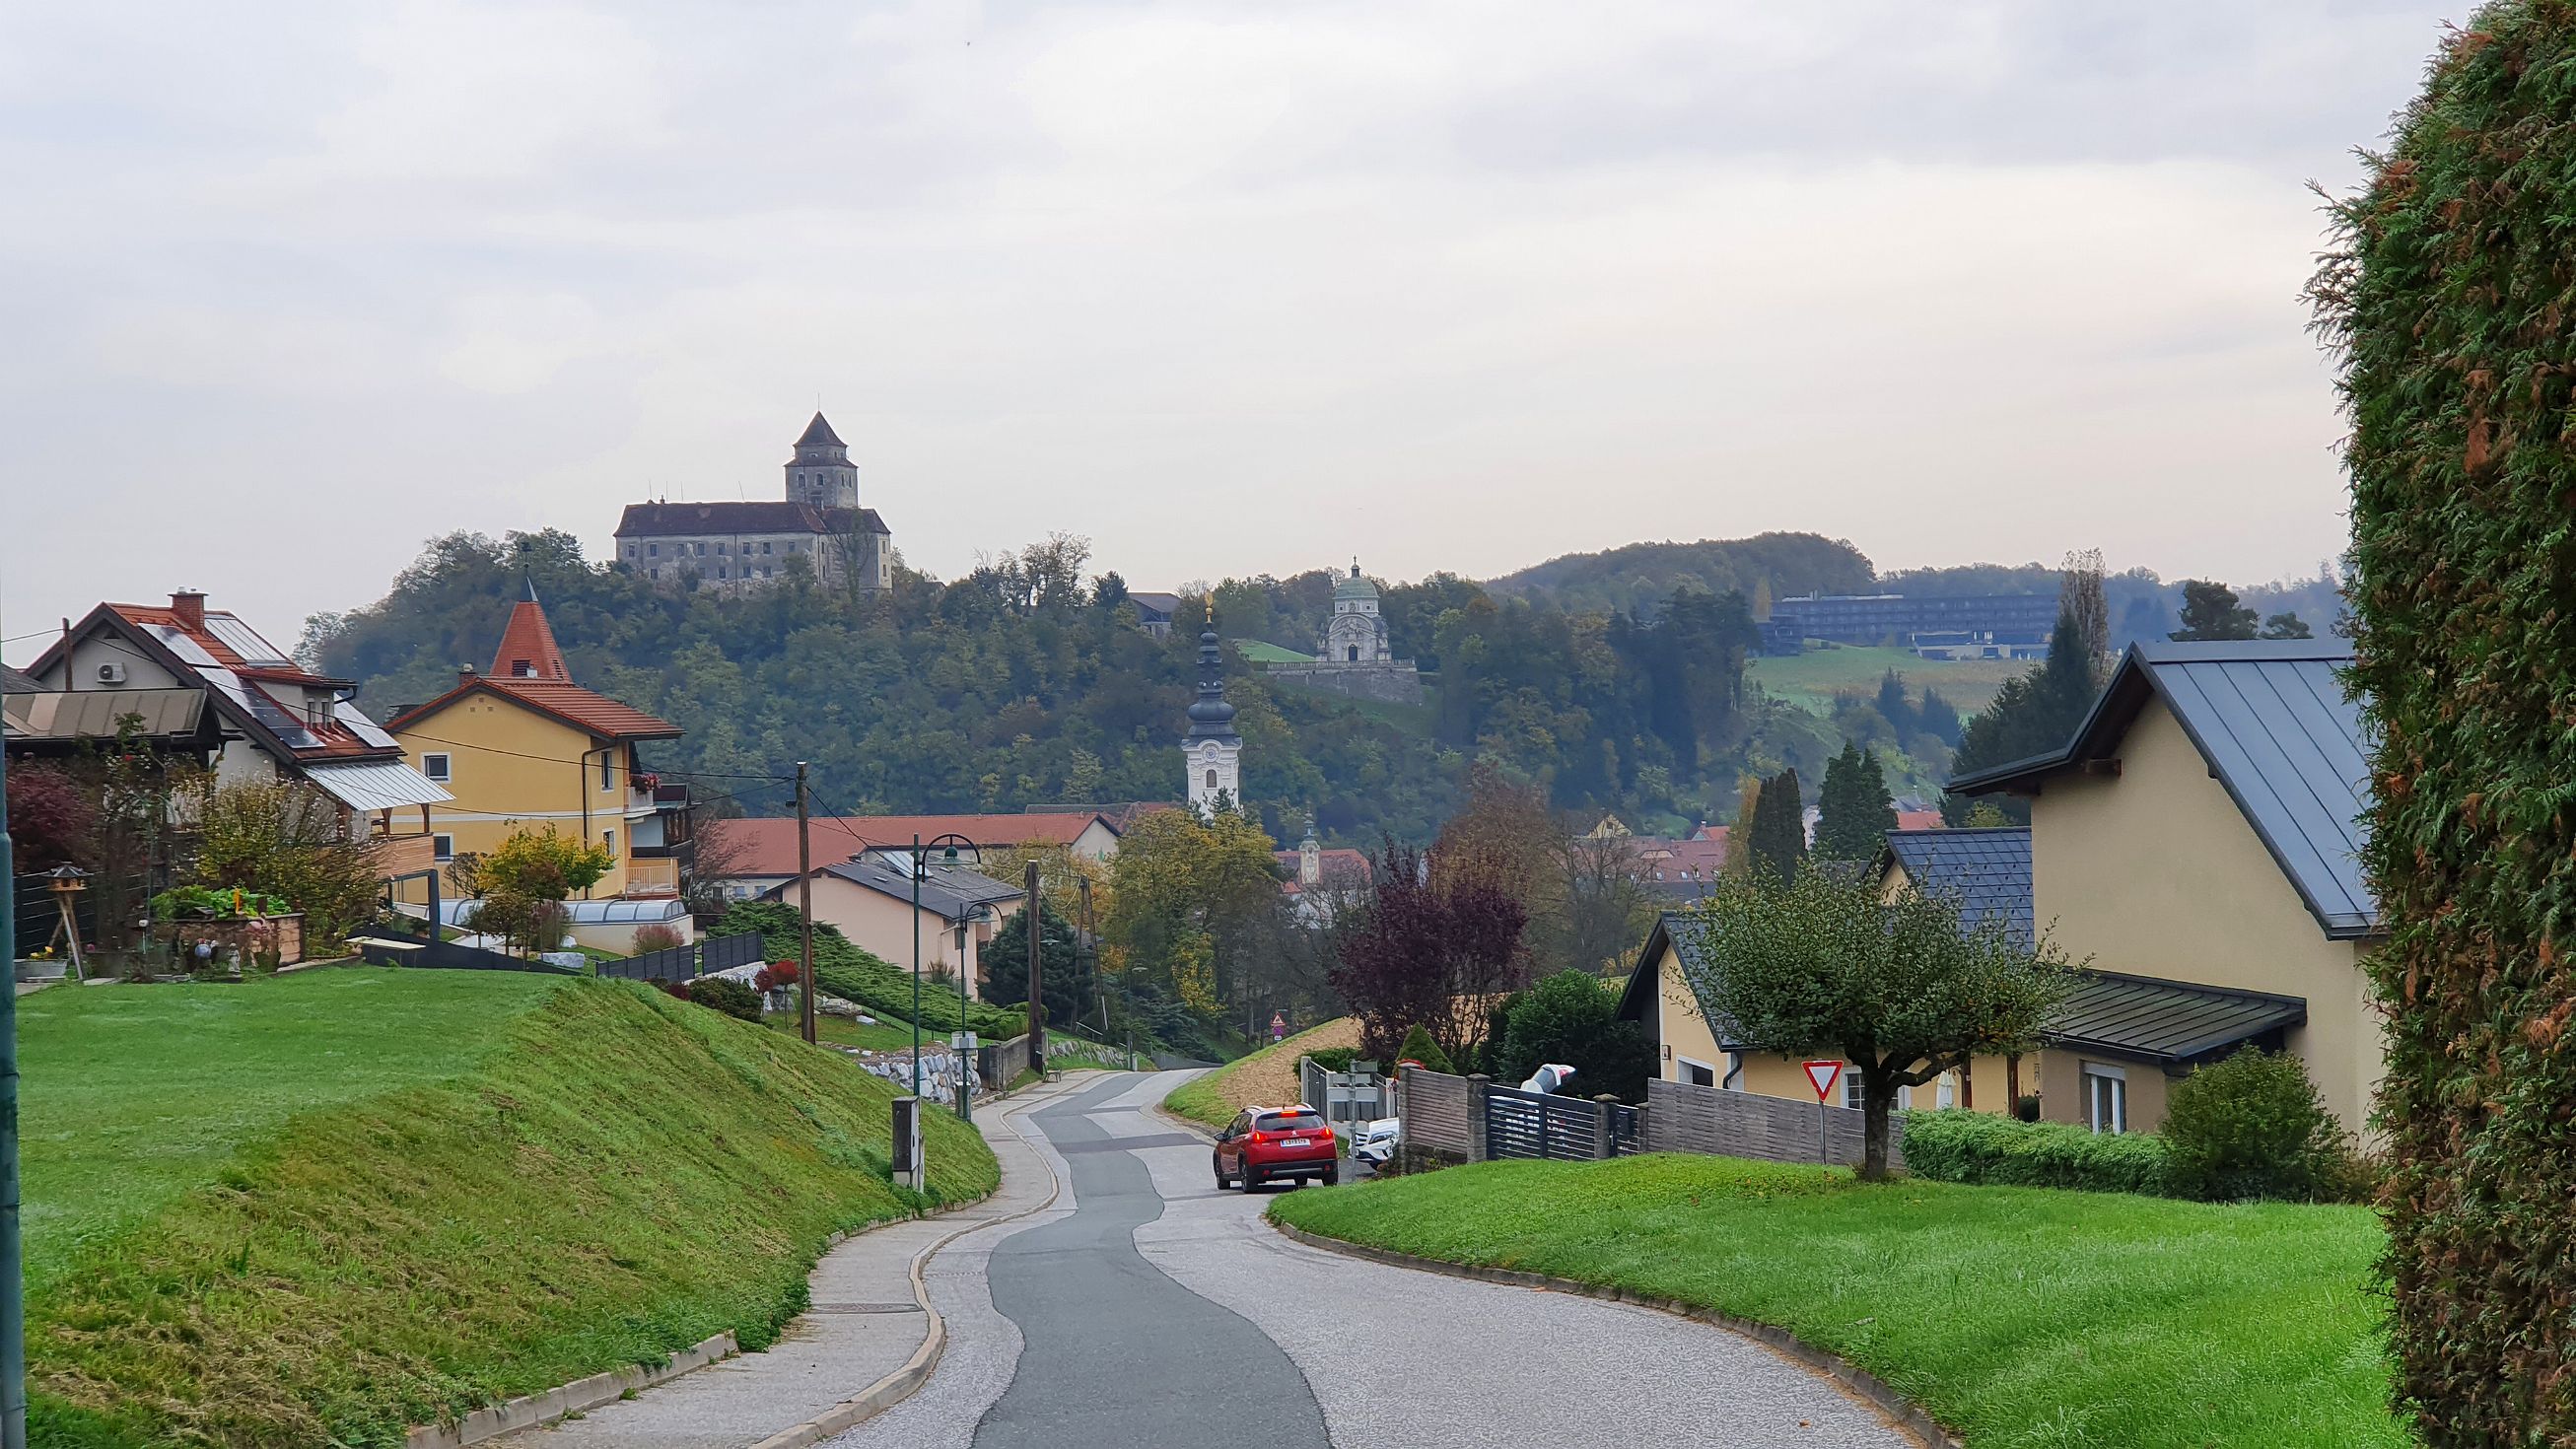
(917, 867)
(805, 904)
(13, 1300)
(1037, 998)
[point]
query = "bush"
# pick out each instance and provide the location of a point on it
(2253, 1126)
(844, 970)
(1419, 1047)
(656, 937)
(1978, 1147)
(1571, 1017)
(1334, 1059)
(723, 993)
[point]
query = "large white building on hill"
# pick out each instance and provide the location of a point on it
(735, 547)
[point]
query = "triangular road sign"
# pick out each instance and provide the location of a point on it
(1823, 1075)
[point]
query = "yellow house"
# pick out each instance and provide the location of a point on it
(524, 746)
(2195, 841)
(2201, 833)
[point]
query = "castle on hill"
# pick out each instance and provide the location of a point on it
(739, 547)
(1353, 656)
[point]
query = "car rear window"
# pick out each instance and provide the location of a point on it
(1290, 1122)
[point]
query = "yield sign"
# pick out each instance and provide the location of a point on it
(1823, 1075)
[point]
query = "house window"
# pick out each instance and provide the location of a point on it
(524, 668)
(657, 573)
(443, 846)
(435, 767)
(720, 572)
(608, 841)
(2106, 1098)
(1698, 1074)
(652, 550)
(764, 545)
(1855, 1096)
(607, 772)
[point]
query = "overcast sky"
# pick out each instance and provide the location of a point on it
(1227, 287)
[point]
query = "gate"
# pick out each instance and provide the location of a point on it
(1543, 1125)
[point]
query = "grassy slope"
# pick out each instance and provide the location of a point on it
(2021, 1316)
(1267, 1077)
(599, 1175)
(1811, 680)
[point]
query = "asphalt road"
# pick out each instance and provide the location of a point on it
(1146, 1308)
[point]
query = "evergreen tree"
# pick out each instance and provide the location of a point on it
(2032, 714)
(1779, 839)
(1938, 718)
(2286, 626)
(1857, 811)
(1892, 705)
(2210, 611)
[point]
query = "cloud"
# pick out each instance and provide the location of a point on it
(1457, 285)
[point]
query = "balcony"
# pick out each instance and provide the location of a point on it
(652, 876)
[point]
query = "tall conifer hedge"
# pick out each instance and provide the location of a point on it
(2452, 300)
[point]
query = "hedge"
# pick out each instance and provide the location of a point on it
(2451, 298)
(1979, 1147)
(853, 974)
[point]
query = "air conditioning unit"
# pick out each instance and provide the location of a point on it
(111, 673)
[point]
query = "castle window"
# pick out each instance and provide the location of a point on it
(1355, 654)
(764, 545)
(652, 550)
(630, 550)
(702, 549)
(1211, 779)
(720, 548)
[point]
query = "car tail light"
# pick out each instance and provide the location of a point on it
(1259, 1137)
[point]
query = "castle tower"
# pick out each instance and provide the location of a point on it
(1212, 750)
(821, 473)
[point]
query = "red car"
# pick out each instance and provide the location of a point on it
(1264, 1144)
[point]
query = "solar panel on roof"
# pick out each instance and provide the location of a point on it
(363, 727)
(244, 640)
(188, 650)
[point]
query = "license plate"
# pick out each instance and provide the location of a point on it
(1296, 1142)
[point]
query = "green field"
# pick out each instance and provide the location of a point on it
(314, 1209)
(1811, 680)
(2017, 1316)
(1262, 651)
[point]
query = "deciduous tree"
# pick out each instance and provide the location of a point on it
(1902, 991)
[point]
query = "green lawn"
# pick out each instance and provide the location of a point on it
(1811, 680)
(2019, 1316)
(314, 1209)
(133, 1095)
(880, 1036)
(1262, 651)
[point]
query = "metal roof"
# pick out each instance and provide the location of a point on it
(951, 892)
(377, 785)
(1985, 872)
(612, 912)
(2273, 722)
(2172, 1023)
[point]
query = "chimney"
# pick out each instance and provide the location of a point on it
(190, 606)
(465, 674)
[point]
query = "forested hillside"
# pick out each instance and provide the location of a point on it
(1026, 682)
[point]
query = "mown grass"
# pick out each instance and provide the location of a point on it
(2018, 1316)
(1266, 1077)
(597, 1175)
(878, 1036)
(1811, 680)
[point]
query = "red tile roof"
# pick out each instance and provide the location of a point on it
(1918, 819)
(766, 845)
(597, 713)
(545, 685)
(1341, 868)
(213, 632)
(528, 649)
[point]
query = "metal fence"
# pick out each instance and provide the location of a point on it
(723, 953)
(1345, 1099)
(1682, 1118)
(682, 963)
(449, 956)
(1546, 1126)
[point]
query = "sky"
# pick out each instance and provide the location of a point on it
(1226, 288)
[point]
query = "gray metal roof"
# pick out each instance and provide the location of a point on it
(93, 714)
(953, 892)
(377, 784)
(1985, 872)
(2172, 1023)
(2273, 722)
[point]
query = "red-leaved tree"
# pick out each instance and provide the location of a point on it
(1430, 948)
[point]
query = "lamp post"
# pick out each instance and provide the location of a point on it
(916, 963)
(950, 840)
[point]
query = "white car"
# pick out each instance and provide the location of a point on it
(1375, 1142)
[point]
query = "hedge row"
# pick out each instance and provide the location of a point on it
(845, 970)
(1979, 1147)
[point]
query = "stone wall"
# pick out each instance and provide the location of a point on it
(1390, 683)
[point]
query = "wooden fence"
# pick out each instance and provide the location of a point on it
(1684, 1118)
(1435, 1111)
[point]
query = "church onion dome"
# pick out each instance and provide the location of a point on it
(1354, 587)
(1210, 716)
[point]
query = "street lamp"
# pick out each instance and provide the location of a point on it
(920, 873)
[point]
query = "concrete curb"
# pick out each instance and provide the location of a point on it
(1856, 1381)
(900, 1385)
(531, 1410)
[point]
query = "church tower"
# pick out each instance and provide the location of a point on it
(1212, 750)
(821, 473)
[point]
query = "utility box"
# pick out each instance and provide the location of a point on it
(905, 1147)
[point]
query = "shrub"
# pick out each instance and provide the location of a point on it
(1334, 1059)
(1571, 1017)
(727, 995)
(2253, 1126)
(1978, 1147)
(1419, 1047)
(656, 937)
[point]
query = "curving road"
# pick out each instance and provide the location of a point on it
(1146, 1308)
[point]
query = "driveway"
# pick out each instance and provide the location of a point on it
(1146, 1308)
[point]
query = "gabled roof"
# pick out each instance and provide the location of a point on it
(13, 682)
(1673, 931)
(664, 520)
(756, 846)
(1986, 872)
(950, 892)
(2273, 723)
(561, 700)
(819, 434)
(2171, 1023)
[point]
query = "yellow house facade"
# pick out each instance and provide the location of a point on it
(525, 747)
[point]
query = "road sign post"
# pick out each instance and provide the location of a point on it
(1822, 1076)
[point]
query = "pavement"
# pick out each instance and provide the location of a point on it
(1146, 1308)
